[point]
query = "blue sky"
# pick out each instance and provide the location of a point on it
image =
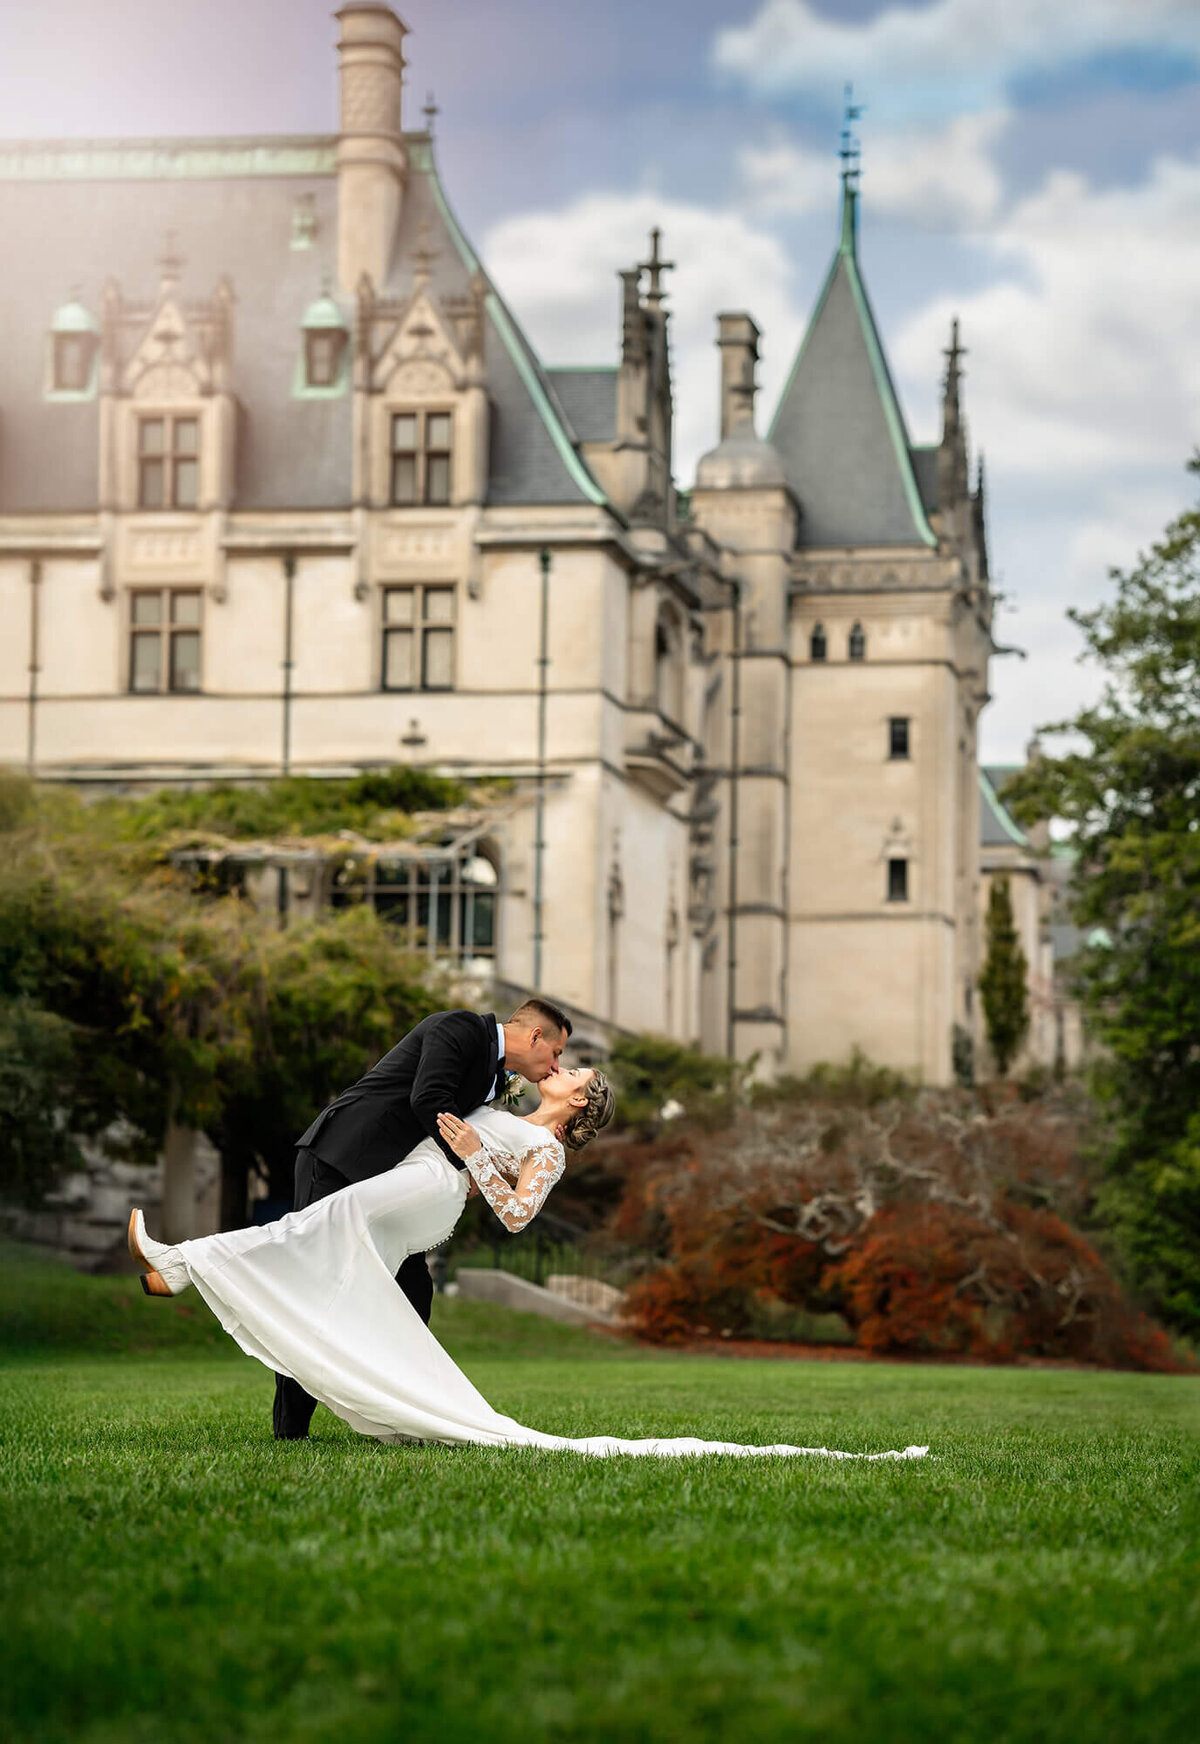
(1033, 168)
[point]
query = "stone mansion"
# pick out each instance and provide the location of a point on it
(284, 487)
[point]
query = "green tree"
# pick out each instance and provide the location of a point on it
(1003, 982)
(124, 991)
(1130, 790)
(652, 1072)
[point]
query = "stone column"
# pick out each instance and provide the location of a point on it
(179, 1183)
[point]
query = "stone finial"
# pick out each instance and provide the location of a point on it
(170, 267)
(656, 267)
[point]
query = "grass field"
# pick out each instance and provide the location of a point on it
(171, 1574)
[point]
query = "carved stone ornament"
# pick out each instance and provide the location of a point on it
(421, 378)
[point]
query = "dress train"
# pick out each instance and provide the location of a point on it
(314, 1296)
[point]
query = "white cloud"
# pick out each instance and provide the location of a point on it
(558, 270)
(1083, 383)
(914, 60)
(1083, 372)
(936, 177)
(1085, 350)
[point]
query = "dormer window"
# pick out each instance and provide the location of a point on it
(72, 362)
(322, 355)
(72, 354)
(817, 647)
(168, 463)
(321, 371)
(421, 452)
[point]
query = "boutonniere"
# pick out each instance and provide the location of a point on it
(512, 1088)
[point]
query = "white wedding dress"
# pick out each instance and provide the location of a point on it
(314, 1296)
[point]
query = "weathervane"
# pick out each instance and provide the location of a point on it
(430, 111)
(850, 151)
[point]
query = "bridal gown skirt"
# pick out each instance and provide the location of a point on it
(314, 1296)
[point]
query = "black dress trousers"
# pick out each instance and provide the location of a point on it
(316, 1179)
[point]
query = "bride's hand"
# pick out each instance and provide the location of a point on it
(463, 1140)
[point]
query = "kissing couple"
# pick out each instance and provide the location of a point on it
(382, 1176)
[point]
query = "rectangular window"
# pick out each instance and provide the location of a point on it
(897, 880)
(164, 640)
(898, 736)
(168, 463)
(418, 638)
(422, 450)
(323, 354)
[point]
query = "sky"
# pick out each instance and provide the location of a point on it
(1032, 168)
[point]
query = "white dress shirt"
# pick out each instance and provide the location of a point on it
(494, 1091)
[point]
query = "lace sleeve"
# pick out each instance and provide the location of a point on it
(540, 1167)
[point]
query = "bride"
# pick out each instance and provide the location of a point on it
(314, 1295)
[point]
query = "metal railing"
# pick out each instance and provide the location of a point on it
(550, 1245)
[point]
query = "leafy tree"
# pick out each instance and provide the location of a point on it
(36, 1144)
(124, 993)
(1003, 982)
(652, 1072)
(1131, 793)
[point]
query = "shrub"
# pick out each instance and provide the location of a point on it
(930, 1225)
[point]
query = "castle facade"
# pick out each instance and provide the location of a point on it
(284, 487)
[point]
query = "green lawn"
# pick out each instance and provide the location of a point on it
(170, 1574)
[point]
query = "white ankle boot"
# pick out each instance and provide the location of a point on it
(165, 1272)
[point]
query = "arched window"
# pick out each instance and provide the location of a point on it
(816, 643)
(857, 648)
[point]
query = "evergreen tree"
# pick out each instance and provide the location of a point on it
(1003, 983)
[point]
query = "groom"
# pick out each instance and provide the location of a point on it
(450, 1063)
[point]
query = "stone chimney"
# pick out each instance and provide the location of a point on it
(371, 159)
(737, 337)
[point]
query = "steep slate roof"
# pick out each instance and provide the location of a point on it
(589, 398)
(74, 215)
(839, 427)
(105, 213)
(925, 469)
(534, 451)
(996, 827)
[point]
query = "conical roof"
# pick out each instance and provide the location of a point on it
(838, 428)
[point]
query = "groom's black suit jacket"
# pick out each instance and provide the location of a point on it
(447, 1063)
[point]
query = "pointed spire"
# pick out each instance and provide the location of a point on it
(951, 412)
(954, 479)
(850, 153)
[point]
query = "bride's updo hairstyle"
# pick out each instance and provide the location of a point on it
(587, 1121)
